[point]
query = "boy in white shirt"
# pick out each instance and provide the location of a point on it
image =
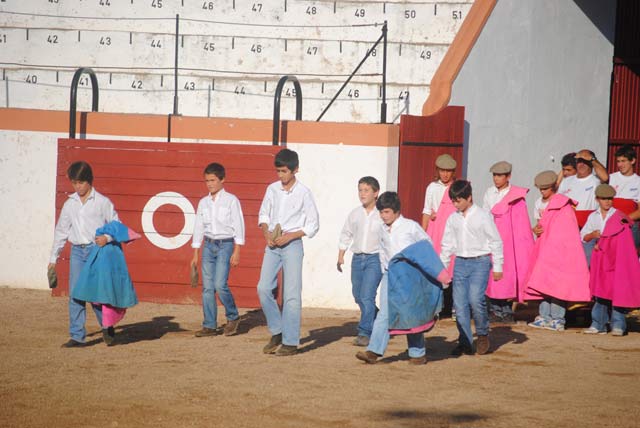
(627, 186)
(471, 235)
(85, 211)
(288, 204)
(220, 224)
(396, 234)
(361, 231)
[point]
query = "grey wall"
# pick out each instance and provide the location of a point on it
(536, 86)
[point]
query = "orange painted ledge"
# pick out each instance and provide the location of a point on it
(200, 128)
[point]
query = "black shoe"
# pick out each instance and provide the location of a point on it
(206, 332)
(109, 336)
(462, 349)
(73, 344)
(286, 350)
(270, 348)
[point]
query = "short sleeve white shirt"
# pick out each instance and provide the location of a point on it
(581, 190)
(433, 197)
(627, 187)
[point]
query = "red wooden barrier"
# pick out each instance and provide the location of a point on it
(133, 174)
(422, 140)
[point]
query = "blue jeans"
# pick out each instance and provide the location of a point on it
(77, 308)
(588, 249)
(500, 307)
(365, 277)
(600, 315)
(552, 309)
(215, 273)
(287, 322)
(380, 334)
(470, 278)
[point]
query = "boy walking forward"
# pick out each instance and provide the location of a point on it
(397, 234)
(220, 224)
(471, 235)
(288, 206)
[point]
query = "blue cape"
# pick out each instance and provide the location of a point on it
(414, 293)
(104, 277)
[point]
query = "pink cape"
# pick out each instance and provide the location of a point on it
(512, 220)
(615, 269)
(435, 228)
(558, 266)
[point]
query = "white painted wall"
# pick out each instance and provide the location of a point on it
(536, 86)
(130, 44)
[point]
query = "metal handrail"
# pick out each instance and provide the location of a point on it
(74, 96)
(383, 106)
(276, 105)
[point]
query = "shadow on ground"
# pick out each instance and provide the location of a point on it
(324, 336)
(428, 419)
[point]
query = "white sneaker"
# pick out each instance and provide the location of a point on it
(617, 332)
(555, 325)
(593, 330)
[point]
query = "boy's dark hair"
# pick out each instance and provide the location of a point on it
(215, 169)
(288, 158)
(371, 181)
(80, 171)
(569, 160)
(460, 189)
(626, 151)
(388, 200)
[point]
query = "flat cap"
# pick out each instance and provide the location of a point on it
(545, 179)
(605, 191)
(502, 167)
(446, 162)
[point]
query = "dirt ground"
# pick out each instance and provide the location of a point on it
(160, 375)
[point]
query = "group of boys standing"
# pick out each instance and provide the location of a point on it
(485, 252)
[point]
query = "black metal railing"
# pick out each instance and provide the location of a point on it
(74, 96)
(276, 105)
(383, 106)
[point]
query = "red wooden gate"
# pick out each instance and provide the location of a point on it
(422, 140)
(159, 185)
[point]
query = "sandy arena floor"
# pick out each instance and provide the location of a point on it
(160, 375)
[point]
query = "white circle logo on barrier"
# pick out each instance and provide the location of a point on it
(168, 198)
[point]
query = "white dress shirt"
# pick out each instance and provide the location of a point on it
(472, 235)
(539, 208)
(492, 196)
(362, 231)
(293, 209)
(433, 197)
(395, 238)
(595, 222)
(78, 222)
(627, 187)
(581, 190)
(218, 217)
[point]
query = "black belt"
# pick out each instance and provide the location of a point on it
(83, 245)
(217, 241)
(472, 258)
(365, 254)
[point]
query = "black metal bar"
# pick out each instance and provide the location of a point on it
(73, 101)
(276, 105)
(383, 106)
(350, 76)
(175, 68)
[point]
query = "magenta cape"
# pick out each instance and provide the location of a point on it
(615, 269)
(512, 221)
(558, 266)
(435, 228)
